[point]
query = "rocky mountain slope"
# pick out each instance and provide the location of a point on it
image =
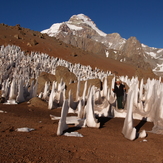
(82, 32)
(30, 40)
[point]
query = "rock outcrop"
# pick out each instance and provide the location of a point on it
(63, 73)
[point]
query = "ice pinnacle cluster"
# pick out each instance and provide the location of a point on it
(18, 83)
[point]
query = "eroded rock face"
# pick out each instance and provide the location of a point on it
(132, 47)
(64, 74)
(44, 76)
(134, 54)
(129, 51)
(81, 38)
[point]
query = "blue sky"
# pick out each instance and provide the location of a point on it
(140, 18)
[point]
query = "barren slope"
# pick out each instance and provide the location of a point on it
(30, 40)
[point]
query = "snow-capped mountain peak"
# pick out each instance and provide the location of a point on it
(82, 32)
(81, 18)
(74, 23)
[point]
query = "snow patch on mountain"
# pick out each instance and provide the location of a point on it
(53, 30)
(152, 54)
(158, 68)
(160, 50)
(144, 46)
(74, 27)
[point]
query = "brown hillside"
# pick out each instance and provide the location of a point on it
(30, 40)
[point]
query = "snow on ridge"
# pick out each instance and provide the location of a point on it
(45, 31)
(159, 51)
(91, 24)
(144, 46)
(53, 29)
(74, 27)
(152, 54)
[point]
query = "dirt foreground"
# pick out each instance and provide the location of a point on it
(106, 144)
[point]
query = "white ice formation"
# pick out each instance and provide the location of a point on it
(142, 134)
(62, 125)
(74, 134)
(128, 130)
(91, 121)
(24, 129)
(1, 111)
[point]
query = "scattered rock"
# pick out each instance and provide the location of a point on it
(29, 44)
(17, 36)
(34, 42)
(18, 27)
(36, 102)
(33, 34)
(2, 99)
(41, 36)
(74, 55)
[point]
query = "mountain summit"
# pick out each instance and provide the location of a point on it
(82, 32)
(82, 26)
(75, 23)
